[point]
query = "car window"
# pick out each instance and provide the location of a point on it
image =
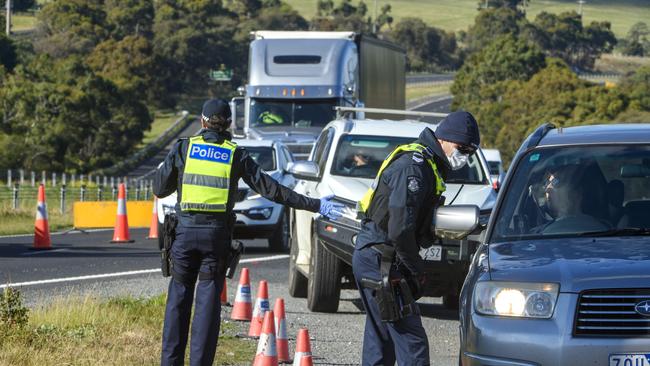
(287, 154)
(322, 147)
(361, 156)
(575, 191)
(494, 167)
(263, 156)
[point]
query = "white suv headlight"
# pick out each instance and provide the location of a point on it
(516, 299)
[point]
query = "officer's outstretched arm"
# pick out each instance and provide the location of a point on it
(270, 189)
(407, 194)
(165, 180)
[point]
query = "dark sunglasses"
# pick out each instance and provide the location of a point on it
(466, 150)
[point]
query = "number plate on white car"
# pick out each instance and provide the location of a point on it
(432, 253)
(630, 359)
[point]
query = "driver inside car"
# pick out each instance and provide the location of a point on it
(563, 203)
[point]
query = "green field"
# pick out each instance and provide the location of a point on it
(162, 120)
(456, 15)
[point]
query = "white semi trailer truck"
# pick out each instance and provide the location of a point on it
(295, 79)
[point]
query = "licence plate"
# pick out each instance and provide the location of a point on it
(432, 253)
(630, 359)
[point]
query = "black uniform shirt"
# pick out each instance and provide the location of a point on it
(406, 193)
(169, 178)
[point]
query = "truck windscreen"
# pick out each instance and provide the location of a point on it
(294, 113)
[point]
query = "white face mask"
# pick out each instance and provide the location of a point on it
(457, 160)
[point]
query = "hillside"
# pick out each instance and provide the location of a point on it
(456, 15)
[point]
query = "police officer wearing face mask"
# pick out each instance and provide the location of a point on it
(205, 169)
(398, 212)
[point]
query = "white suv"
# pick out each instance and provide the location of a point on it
(344, 162)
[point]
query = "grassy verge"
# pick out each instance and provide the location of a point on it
(21, 221)
(162, 120)
(416, 91)
(454, 15)
(22, 21)
(121, 331)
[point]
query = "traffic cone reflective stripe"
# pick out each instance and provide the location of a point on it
(281, 331)
(153, 228)
(303, 349)
(121, 232)
(42, 239)
(261, 307)
(266, 354)
(242, 308)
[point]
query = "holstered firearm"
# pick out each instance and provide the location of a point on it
(169, 235)
(234, 254)
(393, 296)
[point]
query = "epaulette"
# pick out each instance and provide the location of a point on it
(418, 158)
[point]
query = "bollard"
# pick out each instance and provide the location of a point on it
(8, 178)
(82, 193)
(43, 177)
(113, 193)
(100, 190)
(22, 176)
(53, 179)
(15, 197)
(33, 175)
(137, 192)
(62, 198)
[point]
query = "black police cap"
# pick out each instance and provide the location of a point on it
(461, 128)
(214, 107)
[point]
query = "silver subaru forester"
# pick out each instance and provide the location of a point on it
(562, 276)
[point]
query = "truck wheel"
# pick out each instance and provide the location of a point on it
(161, 236)
(279, 241)
(450, 300)
(324, 290)
(297, 282)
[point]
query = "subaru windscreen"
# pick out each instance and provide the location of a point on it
(361, 157)
(590, 190)
(288, 112)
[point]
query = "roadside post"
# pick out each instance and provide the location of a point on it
(8, 178)
(62, 202)
(33, 176)
(15, 196)
(100, 192)
(22, 176)
(82, 193)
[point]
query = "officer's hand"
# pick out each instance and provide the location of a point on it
(329, 209)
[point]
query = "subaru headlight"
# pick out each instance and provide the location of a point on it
(516, 299)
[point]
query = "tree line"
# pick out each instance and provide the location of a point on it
(520, 74)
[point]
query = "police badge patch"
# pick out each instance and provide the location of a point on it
(413, 184)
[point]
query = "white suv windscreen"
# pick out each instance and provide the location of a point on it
(576, 191)
(361, 156)
(263, 156)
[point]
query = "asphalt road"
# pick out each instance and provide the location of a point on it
(88, 265)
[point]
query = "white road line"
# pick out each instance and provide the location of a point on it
(59, 233)
(128, 273)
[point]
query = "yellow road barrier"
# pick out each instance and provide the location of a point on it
(103, 214)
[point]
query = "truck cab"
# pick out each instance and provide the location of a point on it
(297, 78)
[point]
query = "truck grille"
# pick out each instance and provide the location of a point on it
(612, 313)
(300, 151)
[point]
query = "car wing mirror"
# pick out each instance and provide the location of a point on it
(307, 170)
(456, 222)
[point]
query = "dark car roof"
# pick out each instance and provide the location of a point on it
(598, 134)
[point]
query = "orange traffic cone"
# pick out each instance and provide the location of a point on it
(281, 331)
(121, 232)
(261, 307)
(153, 228)
(224, 294)
(266, 354)
(242, 309)
(42, 238)
(303, 349)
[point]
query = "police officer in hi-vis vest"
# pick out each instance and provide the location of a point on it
(398, 212)
(205, 169)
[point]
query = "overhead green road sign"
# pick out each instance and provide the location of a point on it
(221, 75)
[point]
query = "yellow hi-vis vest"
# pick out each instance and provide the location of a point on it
(364, 204)
(206, 179)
